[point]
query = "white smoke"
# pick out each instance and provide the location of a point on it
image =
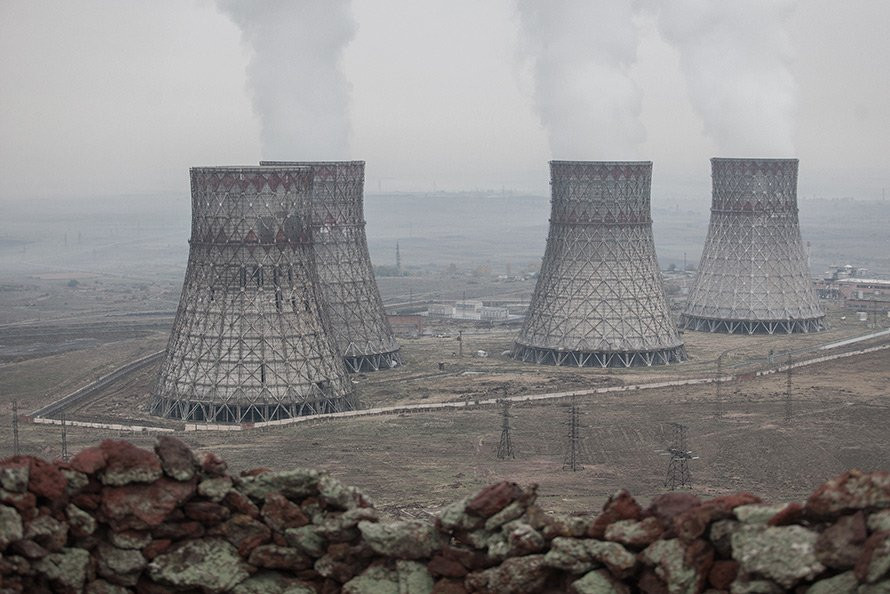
(735, 56)
(299, 90)
(581, 53)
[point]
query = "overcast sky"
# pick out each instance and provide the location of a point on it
(121, 97)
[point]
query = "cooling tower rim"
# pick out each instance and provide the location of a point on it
(255, 169)
(600, 163)
(310, 164)
(754, 160)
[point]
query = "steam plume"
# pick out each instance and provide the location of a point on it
(735, 56)
(299, 90)
(581, 52)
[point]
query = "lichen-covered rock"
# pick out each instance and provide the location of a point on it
(692, 523)
(215, 489)
(493, 499)
(293, 484)
(374, 580)
(517, 575)
(336, 495)
(46, 480)
(577, 555)
(874, 564)
(843, 583)
(851, 491)
(413, 577)
(785, 555)
(48, 532)
(633, 533)
(211, 564)
(597, 582)
(409, 539)
(307, 539)
(682, 568)
(272, 582)
(508, 514)
(101, 586)
(455, 517)
(81, 523)
(125, 464)
(177, 459)
(757, 513)
(14, 473)
(280, 514)
(668, 505)
(129, 539)
(143, 506)
(879, 521)
(120, 566)
(245, 533)
(745, 584)
(273, 556)
(620, 506)
(67, 569)
(840, 545)
(11, 528)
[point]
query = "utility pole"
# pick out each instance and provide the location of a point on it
(15, 427)
(64, 439)
(505, 446)
(718, 404)
(398, 258)
(460, 343)
(788, 386)
(678, 476)
(572, 459)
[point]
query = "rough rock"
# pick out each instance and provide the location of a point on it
(620, 506)
(215, 489)
(692, 523)
(273, 556)
(783, 554)
(280, 514)
(307, 539)
(67, 569)
(518, 575)
(46, 480)
(851, 491)
(665, 507)
(597, 582)
(293, 484)
(14, 474)
(757, 513)
(843, 583)
(125, 464)
(11, 528)
(493, 499)
(409, 539)
(143, 506)
(272, 582)
(722, 574)
(840, 545)
(211, 564)
(680, 571)
(874, 564)
(176, 458)
(81, 523)
(578, 555)
(879, 521)
(120, 566)
(48, 532)
(129, 539)
(633, 533)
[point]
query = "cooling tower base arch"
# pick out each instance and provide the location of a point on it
(721, 326)
(212, 412)
(545, 356)
(374, 362)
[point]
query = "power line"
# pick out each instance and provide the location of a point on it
(678, 476)
(505, 446)
(572, 459)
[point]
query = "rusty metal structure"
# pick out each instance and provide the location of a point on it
(346, 278)
(753, 276)
(599, 300)
(250, 342)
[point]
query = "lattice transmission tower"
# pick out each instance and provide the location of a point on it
(573, 455)
(347, 284)
(678, 475)
(250, 341)
(753, 276)
(599, 300)
(505, 445)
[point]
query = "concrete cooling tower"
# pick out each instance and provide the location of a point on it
(347, 284)
(599, 300)
(753, 276)
(250, 341)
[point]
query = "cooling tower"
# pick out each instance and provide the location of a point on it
(599, 300)
(250, 341)
(753, 275)
(347, 284)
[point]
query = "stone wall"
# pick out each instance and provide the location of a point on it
(117, 518)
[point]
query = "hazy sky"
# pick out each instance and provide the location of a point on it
(116, 96)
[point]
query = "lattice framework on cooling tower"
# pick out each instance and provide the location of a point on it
(249, 342)
(347, 284)
(599, 300)
(753, 275)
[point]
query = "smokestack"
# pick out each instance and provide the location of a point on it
(347, 285)
(249, 342)
(753, 275)
(599, 300)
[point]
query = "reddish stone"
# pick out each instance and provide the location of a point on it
(176, 458)
(649, 583)
(142, 506)
(25, 503)
(851, 491)
(87, 501)
(212, 465)
(255, 471)
(620, 506)
(206, 512)
(178, 530)
(89, 460)
(277, 557)
(449, 587)
(27, 548)
(279, 539)
(146, 586)
(128, 463)
(877, 544)
(693, 522)
(440, 565)
(493, 499)
(245, 533)
(840, 545)
(241, 504)
(790, 514)
(471, 559)
(46, 480)
(722, 574)
(699, 555)
(665, 507)
(156, 547)
(280, 514)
